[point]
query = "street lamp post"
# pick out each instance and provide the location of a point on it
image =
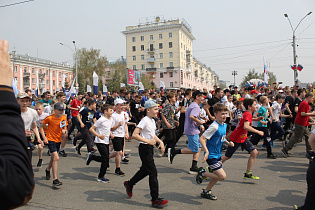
(294, 45)
(76, 60)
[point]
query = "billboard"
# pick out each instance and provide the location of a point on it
(134, 77)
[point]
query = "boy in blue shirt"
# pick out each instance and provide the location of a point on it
(211, 141)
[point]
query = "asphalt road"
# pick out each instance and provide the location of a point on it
(282, 183)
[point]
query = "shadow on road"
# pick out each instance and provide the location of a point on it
(288, 197)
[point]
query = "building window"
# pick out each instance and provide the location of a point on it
(47, 73)
(40, 71)
(16, 80)
(33, 70)
(170, 54)
(142, 66)
(142, 57)
(170, 44)
(54, 74)
(134, 67)
(161, 65)
(184, 47)
(142, 38)
(171, 84)
(151, 47)
(151, 55)
(170, 35)
(59, 74)
(47, 82)
(25, 69)
(33, 81)
(152, 65)
(54, 82)
(67, 75)
(133, 39)
(161, 74)
(133, 48)
(181, 45)
(171, 74)
(161, 55)
(59, 83)
(160, 45)
(160, 36)
(134, 58)
(171, 64)
(151, 37)
(142, 47)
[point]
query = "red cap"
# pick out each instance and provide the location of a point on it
(254, 91)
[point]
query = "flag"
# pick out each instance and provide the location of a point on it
(299, 67)
(104, 90)
(68, 94)
(37, 86)
(88, 88)
(64, 76)
(141, 87)
(122, 85)
(266, 76)
(162, 84)
(95, 83)
(14, 87)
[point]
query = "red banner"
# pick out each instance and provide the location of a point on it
(131, 77)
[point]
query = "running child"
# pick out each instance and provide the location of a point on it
(39, 107)
(239, 137)
(212, 141)
(57, 127)
(145, 134)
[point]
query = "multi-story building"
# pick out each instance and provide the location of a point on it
(164, 48)
(27, 69)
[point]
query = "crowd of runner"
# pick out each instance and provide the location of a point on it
(212, 121)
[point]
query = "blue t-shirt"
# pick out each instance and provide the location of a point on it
(262, 112)
(215, 136)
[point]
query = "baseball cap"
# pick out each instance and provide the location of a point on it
(59, 105)
(119, 101)
(280, 91)
(158, 99)
(254, 91)
(149, 104)
(22, 95)
(196, 93)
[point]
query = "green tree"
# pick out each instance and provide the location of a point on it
(88, 62)
(252, 74)
(147, 81)
(118, 75)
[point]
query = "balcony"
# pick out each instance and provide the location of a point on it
(150, 49)
(188, 70)
(151, 60)
(41, 85)
(26, 82)
(41, 76)
(27, 74)
(151, 69)
(202, 78)
(170, 68)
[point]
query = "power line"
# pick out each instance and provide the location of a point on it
(22, 2)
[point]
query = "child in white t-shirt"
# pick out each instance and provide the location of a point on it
(145, 134)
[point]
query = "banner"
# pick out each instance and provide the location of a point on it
(131, 77)
(266, 76)
(137, 77)
(71, 91)
(104, 90)
(95, 83)
(88, 88)
(141, 87)
(122, 85)
(162, 84)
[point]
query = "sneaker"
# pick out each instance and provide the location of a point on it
(74, 142)
(89, 158)
(200, 176)
(119, 173)
(126, 155)
(47, 174)
(56, 183)
(193, 170)
(48, 152)
(39, 163)
(94, 150)
(271, 144)
(250, 176)
(272, 156)
(209, 169)
(284, 153)
(103, 179)
(263, 146)
(124, 161)
(159, 203)
(170, 155)
(78, 150)
(128, 189)
(208, 195)
(63, 153)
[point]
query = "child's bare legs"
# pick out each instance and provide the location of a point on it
(53, 164)
(251, 159)
(196, 155)
(217, 175)
(64, 140)
(40, 151)
(118, 158)
(224, 158)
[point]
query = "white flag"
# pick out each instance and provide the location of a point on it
(71, 90)
(162, 84)
(266, 76)
(95, 79)
(104, 89)
(141, 87)
(122, 85)
(88, 88)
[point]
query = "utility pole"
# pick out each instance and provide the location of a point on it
(234, 73)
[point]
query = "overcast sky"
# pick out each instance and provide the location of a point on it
(230, 35)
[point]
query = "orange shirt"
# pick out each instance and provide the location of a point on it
(54, 132)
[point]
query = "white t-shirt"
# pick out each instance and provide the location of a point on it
(148, 128)
(230, 105)
(41, 118)
(247, 96)
(29, 117)
(203, 114)
(224, 100)
(48, 109)
(103, 126)
(276, 111)
(121, 130)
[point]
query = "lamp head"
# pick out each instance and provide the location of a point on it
(309, 13)
(73, 42)
(286, 15)
(61, 43)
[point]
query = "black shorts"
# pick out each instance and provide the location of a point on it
(118, 143)
(247, 145)
(53, 146)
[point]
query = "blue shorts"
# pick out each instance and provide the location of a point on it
(193, 143)
(215, 164)
(53, 146)
(247, 145)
